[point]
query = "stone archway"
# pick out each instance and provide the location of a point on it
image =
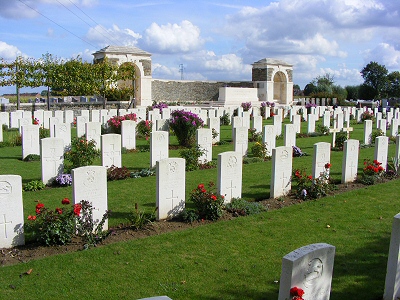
(280, 87)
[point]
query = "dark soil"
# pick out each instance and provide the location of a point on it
(30, 252)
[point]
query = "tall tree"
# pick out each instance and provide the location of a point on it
(394, 84)
(375, 76)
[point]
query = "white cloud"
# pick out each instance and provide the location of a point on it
(173, 38)
(8, 52)
(112, 36)
(384, 54)
(18, 10)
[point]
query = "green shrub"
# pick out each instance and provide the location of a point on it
(254, 136)
(34, 185)
(82, 153)
(241, 207)
(341, 137)
(143, 129)
(143, 173)
(322, 130)
(259, 150)
(191, 155)
(139, 219)
(44, 133)
(375, 133)
(225, 119)
(188, 216)
(32, 157)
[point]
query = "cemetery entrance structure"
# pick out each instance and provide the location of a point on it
(142, 63)
(272, 81)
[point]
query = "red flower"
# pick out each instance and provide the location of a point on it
(309, 177)
(377, 162)
(39, 207)
(213, 197)
(65, 201)
(296, 292)
(33, 218)
(380, 169)
(59, 211)
(77, 209)
(327, 165)
(203, 190)
(200, 186)
(297, 174)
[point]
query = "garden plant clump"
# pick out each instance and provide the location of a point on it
(114, 123)
(185, 124)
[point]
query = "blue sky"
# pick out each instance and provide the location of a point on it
(214, 40)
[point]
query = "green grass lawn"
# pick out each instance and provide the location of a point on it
(236, 259)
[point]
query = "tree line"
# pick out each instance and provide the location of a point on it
(69, 77)
(378, 84)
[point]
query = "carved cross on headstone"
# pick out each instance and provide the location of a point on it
(231, 188)
(172, 199)
(4, 223)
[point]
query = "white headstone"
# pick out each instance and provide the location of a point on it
(241, 140)
(52, 158)
(170, 191)
(290, 135)
(350, 160)
(311, 123)
(236, 122)
(162, 125)
(128, 134)
(52, 122)
(90, 183)
(327, 119)
(257, 123)
(12, 211)
(14, 117)
(5, 119)
(277, 125)
(381, 150)
(69, 116)
(321, 156)
(30, 140)
(59, 114)
(95, 115)
(47, 114)
(297, 123)
(93, 132)
(394, 127)
(24, 122)
(229, 181)
(86, 113)
(382, 125)
(392, 282)
(63, 131)
(269, 138)
(80, 125)
(215, 124)
(367, 132)
(204, 141)
(281, 171)
(308, 268)
(159, 141)
(339, 120)
(111, 150)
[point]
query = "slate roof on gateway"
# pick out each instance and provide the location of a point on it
(123, 50)
(272, 61)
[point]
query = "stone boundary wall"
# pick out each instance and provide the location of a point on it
(191, 91)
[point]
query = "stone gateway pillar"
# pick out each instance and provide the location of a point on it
(274, 80)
